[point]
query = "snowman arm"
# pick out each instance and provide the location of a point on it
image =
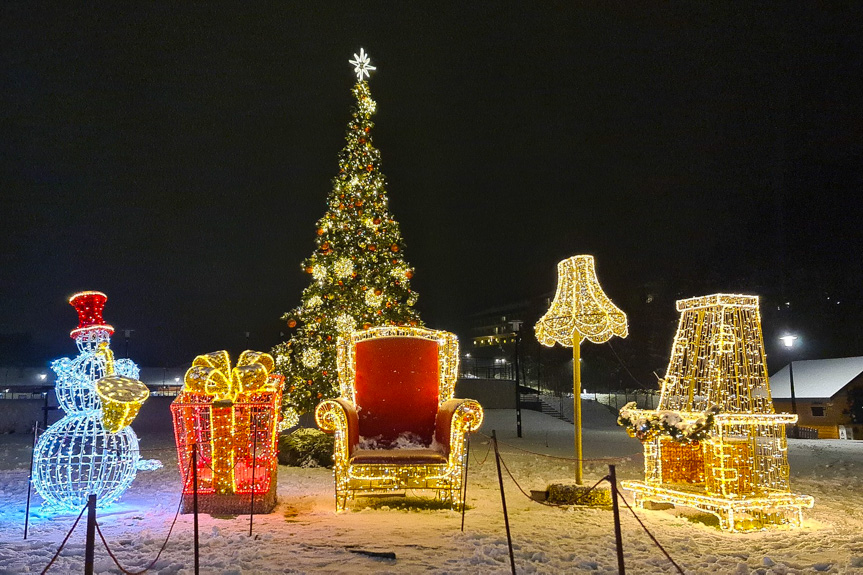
(62, 365)
(126, 367)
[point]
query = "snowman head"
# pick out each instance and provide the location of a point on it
(75, 378)
(90, 340)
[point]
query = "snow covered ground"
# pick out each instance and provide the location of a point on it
(304, 534)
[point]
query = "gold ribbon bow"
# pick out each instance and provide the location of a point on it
(211, 374)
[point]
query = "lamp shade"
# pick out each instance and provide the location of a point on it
(580, 308)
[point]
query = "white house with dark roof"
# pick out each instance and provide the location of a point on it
(823, 392)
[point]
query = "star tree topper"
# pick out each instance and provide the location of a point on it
(362, 65)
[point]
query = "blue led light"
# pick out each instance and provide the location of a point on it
(76, 456)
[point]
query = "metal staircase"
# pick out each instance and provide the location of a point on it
(542, 404)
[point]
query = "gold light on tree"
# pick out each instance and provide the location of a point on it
(580, 311)
(717, 381)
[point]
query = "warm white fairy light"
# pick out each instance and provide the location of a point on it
(319, 272)
(458, 416)
(343, 267)
(345, 323)
(580, 311)
(580, 307)
(311, 357)
(359, 276)
(373, 299)
(740, 471)
(314, 301)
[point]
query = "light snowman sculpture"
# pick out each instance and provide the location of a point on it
(92, 449)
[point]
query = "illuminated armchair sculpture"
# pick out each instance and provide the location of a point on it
(396, 424)
(715, 443)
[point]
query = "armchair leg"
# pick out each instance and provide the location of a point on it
(341, 500)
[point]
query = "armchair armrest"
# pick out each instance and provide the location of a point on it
(454, 418)
(339, 416)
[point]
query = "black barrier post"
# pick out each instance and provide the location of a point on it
(30, 480)
(464, 479)
(254, 465)
(195, 501)
(90, 549)
(503, 501)
(618, 538)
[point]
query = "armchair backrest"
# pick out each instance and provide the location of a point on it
(397, 377)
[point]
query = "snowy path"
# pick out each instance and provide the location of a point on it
(305, 535)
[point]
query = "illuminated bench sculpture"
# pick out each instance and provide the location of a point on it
(731, 461)
(231, 416)
(396, 425)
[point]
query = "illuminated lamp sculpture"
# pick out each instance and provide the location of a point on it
(91, 449)
(580, 311)
(230, 417)
(396, 424)
(715, 442)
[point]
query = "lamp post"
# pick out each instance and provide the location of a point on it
(789, 340)
(516, 328)
(580, 311)
(128, 335)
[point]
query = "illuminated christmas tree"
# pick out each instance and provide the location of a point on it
(359, 276)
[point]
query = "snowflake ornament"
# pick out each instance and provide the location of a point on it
(362, 65)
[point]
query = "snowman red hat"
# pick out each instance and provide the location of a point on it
(89, 305)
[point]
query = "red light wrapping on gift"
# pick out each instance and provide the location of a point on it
(254, 436)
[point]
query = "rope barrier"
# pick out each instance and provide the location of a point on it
(649, 534)
(481, 463)
(167, 538)
(545, 502)
(595, 485)
(65, 539)
(572, 459)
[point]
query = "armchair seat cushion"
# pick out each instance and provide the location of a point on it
(422, 456)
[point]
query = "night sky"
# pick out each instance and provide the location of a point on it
(178, 157)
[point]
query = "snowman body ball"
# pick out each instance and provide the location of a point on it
(92, 449)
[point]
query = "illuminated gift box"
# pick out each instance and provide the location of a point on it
(231, 416)
(396, 424)
(730, 455)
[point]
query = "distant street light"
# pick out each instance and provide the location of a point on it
(789, 340)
